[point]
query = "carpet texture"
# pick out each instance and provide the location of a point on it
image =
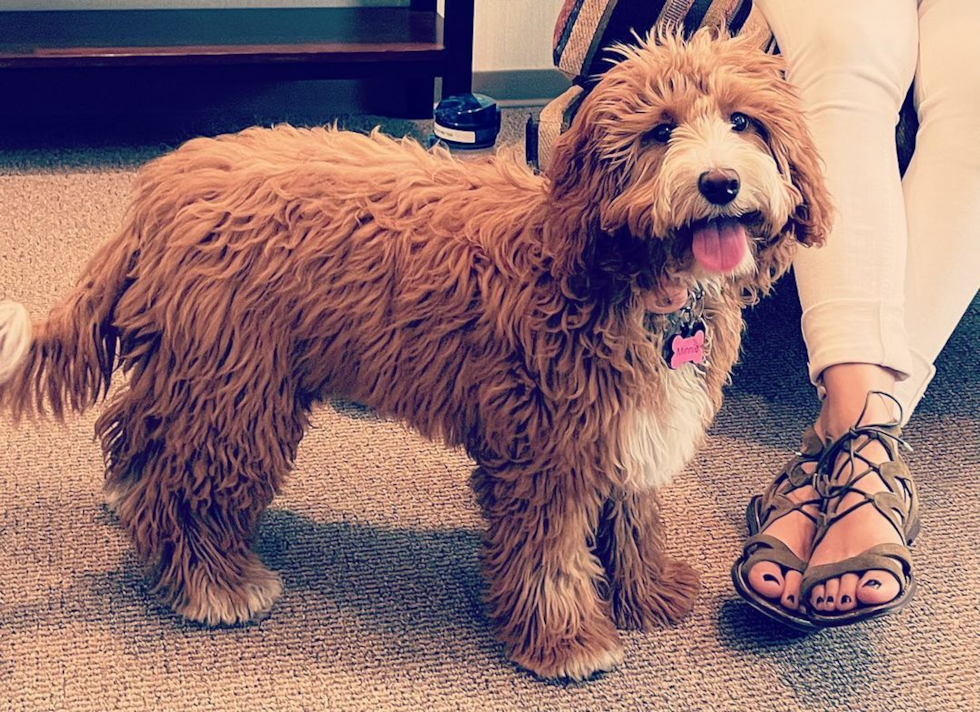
(376, 538)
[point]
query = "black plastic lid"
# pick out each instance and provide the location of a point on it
(468, 111)
(470, 120)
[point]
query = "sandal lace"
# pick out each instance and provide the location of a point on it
(826, 476)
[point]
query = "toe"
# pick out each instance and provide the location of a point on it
(767, 579)
(831, 588)
(877, 587)
(790, 599)
(817, 597)
(847, 595)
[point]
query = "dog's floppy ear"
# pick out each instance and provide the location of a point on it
(796, 155)
(567, 172)
(580, 186)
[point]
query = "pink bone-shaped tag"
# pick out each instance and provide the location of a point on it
(687, 350)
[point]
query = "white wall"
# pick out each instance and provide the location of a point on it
(514, 34)
(509, 34)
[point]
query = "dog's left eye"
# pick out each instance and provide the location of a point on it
(740, 121)
(660, 133)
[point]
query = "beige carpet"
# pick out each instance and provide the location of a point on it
(376, 538)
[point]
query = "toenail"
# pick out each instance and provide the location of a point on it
(791, 599)
(830, 599)
(873, 583)
(770, 577)
(845, 599)
(819, 599)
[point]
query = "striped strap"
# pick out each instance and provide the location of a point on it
(585, 27)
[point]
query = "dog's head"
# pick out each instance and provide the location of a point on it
(695, 154)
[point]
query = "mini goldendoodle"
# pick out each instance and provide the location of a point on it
(573, 331)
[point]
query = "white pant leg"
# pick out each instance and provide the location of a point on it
(942, 185)
(853, 63)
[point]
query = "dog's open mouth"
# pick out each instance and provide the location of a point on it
(718, 244)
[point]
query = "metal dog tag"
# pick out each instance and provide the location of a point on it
(685, 346)
(685, 334)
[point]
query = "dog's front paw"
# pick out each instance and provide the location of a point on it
(575, 658)
(214, 603)
(656, 599)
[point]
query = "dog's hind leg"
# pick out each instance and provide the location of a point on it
(191, 464)
(647, 589)
(544, 580)
(130, 437)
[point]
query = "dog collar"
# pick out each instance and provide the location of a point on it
(685, 332)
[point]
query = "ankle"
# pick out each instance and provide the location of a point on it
(835, 419)
(847, 398)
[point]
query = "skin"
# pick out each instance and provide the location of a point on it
(847, 387)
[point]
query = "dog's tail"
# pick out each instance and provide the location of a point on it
(66, 361)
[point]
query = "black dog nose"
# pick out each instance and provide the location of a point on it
(719, 186)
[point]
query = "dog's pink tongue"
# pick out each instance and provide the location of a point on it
(720, 245)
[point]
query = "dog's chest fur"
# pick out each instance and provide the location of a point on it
(656, 445)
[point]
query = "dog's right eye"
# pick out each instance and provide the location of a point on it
(660, 133)
(740, 121)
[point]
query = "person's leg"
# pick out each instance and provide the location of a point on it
(853, 64)
(942, 186)
(942, 198)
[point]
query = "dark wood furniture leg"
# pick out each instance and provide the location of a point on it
(458, 37)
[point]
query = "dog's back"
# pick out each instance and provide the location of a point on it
(352, 257)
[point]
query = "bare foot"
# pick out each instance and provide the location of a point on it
(860, 526)
(796, 531)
